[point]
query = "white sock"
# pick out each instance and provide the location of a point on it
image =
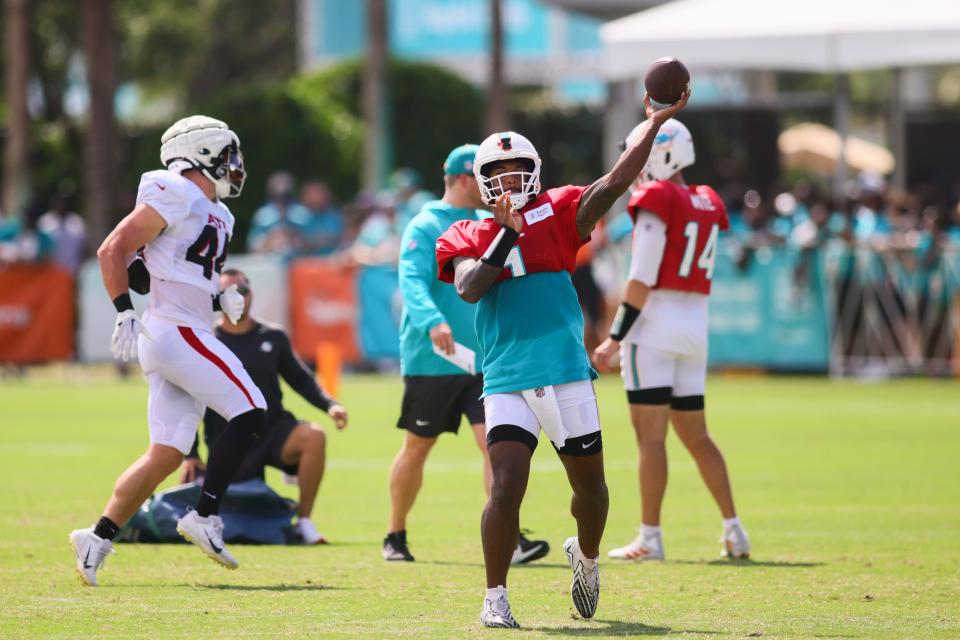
(494, 593)
(650, 531)
(729, 523)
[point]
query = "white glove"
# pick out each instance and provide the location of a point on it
(124, 340)
(231, 303)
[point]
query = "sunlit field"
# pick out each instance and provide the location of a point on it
(850, 492)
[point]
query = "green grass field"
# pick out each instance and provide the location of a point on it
(851, 494)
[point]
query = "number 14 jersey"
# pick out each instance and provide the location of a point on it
(694, 215)
(185, 260)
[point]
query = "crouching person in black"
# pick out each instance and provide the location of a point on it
(296, 447)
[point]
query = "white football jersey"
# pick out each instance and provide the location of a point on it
(185, 260)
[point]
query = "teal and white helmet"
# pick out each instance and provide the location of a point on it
(206, 144)
(672, 151)
(507, 145)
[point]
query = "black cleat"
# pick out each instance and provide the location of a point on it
(395, 547)
(529, 550)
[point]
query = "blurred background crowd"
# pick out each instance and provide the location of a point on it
(842, 184)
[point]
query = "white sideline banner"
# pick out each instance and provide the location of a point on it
(95, 312)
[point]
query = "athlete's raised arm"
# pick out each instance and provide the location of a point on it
(473, 277)
(601, 195)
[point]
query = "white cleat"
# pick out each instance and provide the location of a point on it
(585, 589)
(643, 547)
(496, 612)
(736, 545)
(91, 552)
(307, 532)
(207, 533)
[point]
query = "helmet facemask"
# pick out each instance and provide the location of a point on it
(227, 172)
(507, 146)
(493, 187)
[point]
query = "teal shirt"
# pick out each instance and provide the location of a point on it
(268, 217)
(530, 330)
(426, 300)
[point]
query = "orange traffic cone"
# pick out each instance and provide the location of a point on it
(329, 364)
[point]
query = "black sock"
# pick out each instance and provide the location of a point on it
(106, 528)
(226, 455)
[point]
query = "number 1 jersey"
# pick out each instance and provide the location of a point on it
(529, 324)
(184, 261)
(694, 215)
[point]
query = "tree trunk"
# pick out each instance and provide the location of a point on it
(374, 96)
(100, 154)
(16, 156)
(497, 117)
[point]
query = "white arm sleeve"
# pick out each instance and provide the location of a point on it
(649, 240)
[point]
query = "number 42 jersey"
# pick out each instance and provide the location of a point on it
(185, 260)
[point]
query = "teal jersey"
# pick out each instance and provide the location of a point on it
(530, 330)
(426, 301)
(529, 323)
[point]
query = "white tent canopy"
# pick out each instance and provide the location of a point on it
(812, 35)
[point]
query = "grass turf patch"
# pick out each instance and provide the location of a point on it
(850, 492)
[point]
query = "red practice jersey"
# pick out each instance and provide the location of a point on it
(694, 215)
(548, 242)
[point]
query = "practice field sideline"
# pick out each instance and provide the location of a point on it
(850, 493)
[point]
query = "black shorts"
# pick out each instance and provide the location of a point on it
(266, 451)
(434, 404)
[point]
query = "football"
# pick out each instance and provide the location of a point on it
(666, 80)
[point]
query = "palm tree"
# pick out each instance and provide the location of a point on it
(16, 156)
(374, 96)
(497, 117)
(100, 154)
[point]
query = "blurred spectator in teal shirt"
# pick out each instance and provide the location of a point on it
(20, 240)
(67, 231)
(869, 218)
(281, 224)
(378, 240)
(409, 198)
(325, 229)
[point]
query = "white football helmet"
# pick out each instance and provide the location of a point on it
(672, 151)
(507, 145)
(203, 143)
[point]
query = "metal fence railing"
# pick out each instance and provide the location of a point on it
(894, 310)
